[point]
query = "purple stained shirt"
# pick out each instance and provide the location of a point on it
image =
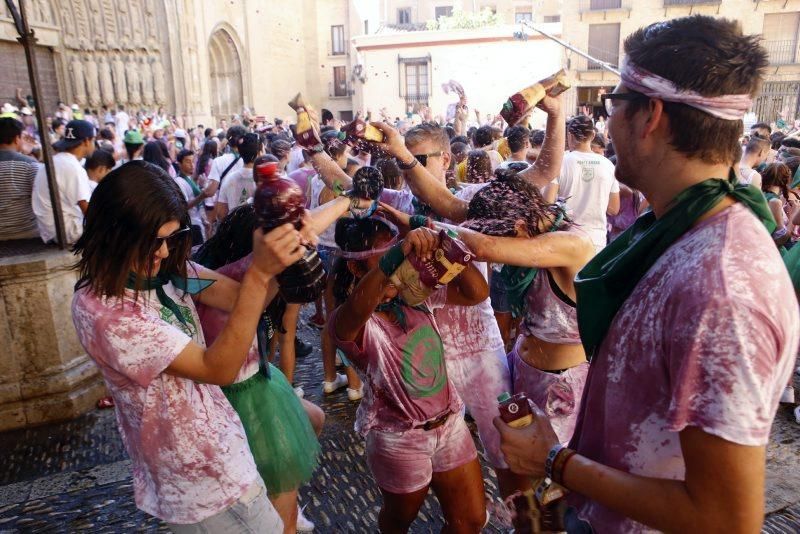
(405, 372)
(188, 450)
(466, 330)
(707, 339)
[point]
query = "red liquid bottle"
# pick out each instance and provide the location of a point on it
(278, 201)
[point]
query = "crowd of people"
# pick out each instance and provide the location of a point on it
(632, 279)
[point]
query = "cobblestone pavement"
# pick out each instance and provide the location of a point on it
(75, 476)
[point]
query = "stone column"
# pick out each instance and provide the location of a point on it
(45, 375)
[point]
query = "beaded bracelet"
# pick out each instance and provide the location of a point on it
(551, 457)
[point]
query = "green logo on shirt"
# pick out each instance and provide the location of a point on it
(423, 367)
(190, 328)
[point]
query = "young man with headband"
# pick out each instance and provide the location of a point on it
(690, 348)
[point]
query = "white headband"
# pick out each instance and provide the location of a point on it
(727, 107)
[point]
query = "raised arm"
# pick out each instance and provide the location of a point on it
(544, 251)
(548, 165)
(220, 363)
(330, 172)
(422, 183)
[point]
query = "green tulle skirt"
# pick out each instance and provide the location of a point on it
(792, 260)
(283, 443)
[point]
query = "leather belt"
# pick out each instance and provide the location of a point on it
(434, 423)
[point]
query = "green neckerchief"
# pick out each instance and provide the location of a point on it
(604, 284)
(192, 286)
(396, 307)
(517, 280)
(795, 179)
(195, 188)
(791, 259)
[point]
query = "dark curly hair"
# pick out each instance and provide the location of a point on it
(496, 208)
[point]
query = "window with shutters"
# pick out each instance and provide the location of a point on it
(337, 40)
(443, 11)
(340, 81)
(780, 37)
(415, 85)
(603, 44)
(523, 15)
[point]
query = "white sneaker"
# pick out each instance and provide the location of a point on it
(355, 394)
(330, 387)
(303, 524)
(788, 395)
(299, 392)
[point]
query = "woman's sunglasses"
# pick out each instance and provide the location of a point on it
(172, 240)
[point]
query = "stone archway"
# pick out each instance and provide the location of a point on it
(225, 65)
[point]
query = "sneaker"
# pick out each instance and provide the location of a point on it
(788, 395)
(298, 390)
(317, 321)
(330, 387)
(355, 394)
(301, 350)
(303, 524)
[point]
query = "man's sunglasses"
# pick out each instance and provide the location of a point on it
(172, 240)
(423, 158)
(608, 99)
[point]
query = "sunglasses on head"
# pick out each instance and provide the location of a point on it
(172, 240)
(423, 158)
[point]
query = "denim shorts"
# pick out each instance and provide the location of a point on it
(498, 294)
(253, 512)
(328, 256)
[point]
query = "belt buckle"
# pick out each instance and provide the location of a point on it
(435, 423)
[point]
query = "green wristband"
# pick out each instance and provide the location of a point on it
(418, 221)
(392, 259)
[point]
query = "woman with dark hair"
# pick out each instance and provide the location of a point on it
(392, 176)
(410, 417)
(478, 167)
(134, 313)
(278, 429)
(153, 154)
(783, 203)
(201, 171)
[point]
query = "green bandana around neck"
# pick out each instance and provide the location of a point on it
(192, 286)
(195, 188)
(397, 307)
(604, 284)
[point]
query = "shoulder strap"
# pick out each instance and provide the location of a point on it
(227, 169)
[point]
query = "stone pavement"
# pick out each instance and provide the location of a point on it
(75, 476)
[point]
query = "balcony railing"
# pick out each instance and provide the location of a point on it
(782, 52)
(584, 64)
(604, 5)
(690, 2)
(418, 98)
(341, 90)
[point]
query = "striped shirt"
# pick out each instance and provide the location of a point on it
(17, 173)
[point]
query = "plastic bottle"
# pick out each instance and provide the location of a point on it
(278, 201)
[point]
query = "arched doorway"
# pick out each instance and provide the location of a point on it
(227, 95)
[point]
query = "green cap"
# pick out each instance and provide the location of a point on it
(504, 396)
(133, 137)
